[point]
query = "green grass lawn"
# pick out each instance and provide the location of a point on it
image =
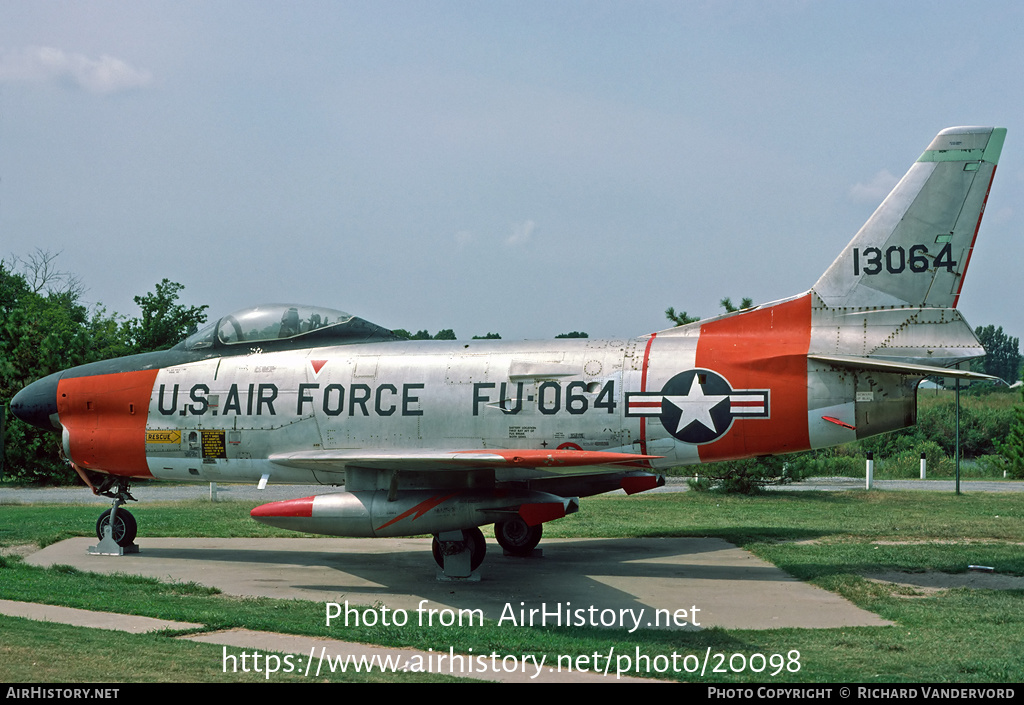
(829, 539)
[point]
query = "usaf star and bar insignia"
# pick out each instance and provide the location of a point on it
(699, 406)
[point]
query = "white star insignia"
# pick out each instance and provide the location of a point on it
(696, 407)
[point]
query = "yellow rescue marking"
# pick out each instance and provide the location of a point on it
(163, 436)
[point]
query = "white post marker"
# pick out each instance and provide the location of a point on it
(924, 463)
(870, 470)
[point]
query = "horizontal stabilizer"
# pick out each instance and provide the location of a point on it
(854, 362)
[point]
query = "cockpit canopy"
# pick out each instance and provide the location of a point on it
(285, 326)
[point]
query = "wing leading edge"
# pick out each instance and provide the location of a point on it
(551, 461)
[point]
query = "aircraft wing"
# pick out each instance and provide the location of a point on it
(551, 461)
(855, 362)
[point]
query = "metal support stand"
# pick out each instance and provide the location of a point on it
(107, 545)
(457, 561)
(117, 489)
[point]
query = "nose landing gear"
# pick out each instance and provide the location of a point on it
(116, 528)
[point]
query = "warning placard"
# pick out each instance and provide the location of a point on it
(213, 444)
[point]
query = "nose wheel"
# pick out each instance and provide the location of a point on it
(124, 529)
(116, 528)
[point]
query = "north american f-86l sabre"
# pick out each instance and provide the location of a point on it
(442, 437)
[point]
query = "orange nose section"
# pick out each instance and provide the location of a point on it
(105, 417)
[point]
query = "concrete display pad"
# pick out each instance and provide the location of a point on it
(730, 587)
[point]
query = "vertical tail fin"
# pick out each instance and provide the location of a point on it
(914, 250)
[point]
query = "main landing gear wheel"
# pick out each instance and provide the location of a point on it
(472, 539)
(124, 530)
(517, 537)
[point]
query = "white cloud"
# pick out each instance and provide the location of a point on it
(42, 64)
(875, 190)
(521, 233)
(464, 237)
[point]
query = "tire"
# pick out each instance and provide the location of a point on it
(477, 546)
(474, 539)
(125, 527)
(516, 537)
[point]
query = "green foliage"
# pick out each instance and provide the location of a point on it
(164, 322)
(40, 333)
(1002, 354)
(1011, 450)
(841, 461)
(682, 318)
(43, 331)
(443, 334)
(489, 336)
(726, 303)
(907, 463)
(982, 424)
(748, 476)
(574, 334)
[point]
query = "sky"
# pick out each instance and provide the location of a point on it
(525, 168)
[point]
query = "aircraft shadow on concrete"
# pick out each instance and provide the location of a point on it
(607, 573)
(731, 587)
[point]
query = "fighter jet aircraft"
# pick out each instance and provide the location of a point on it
(442, 437)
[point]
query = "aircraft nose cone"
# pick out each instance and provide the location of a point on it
(36, 404)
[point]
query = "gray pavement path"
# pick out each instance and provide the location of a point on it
(320, 652)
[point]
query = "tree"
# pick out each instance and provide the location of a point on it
(1002, 354)
(489, 336)
(1012, 449)
(164, 322)
(747, 476)
(682, 318)
(574, 334)
(729, 308)
(40, 272)
(443, 334)
(40, 333)
(44, 329)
